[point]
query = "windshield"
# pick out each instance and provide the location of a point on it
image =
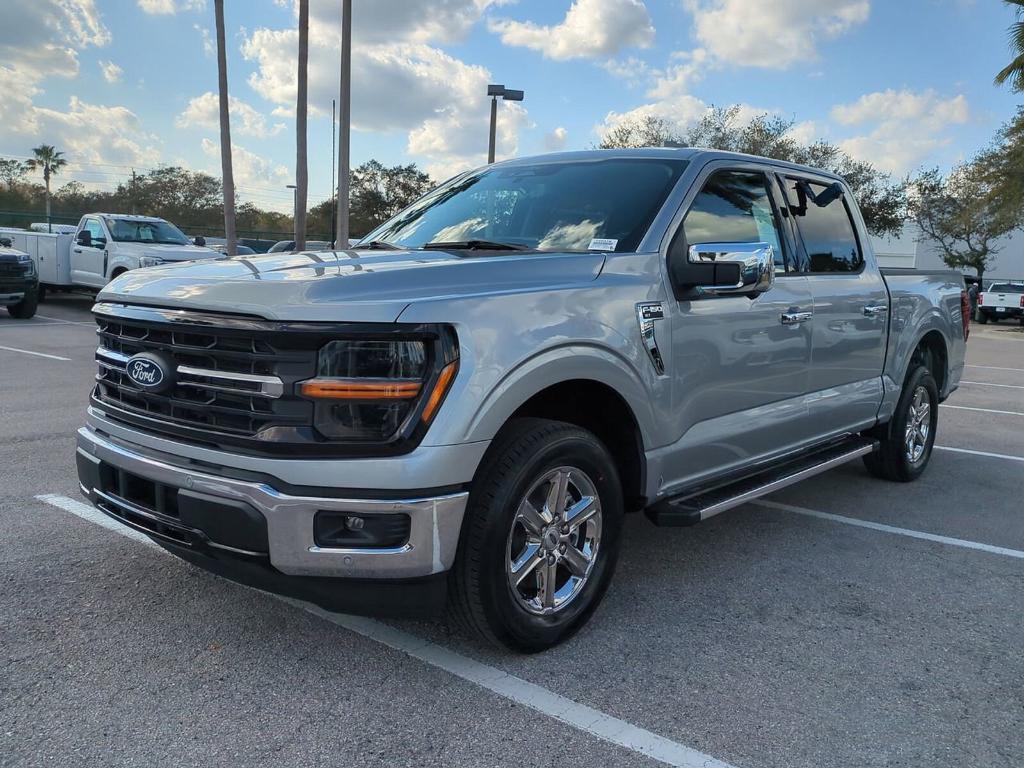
(565, 206)
(1007, 288)
(141, 231)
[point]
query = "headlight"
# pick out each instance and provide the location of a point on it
(150, 261)
(24, 258)
(376, 390)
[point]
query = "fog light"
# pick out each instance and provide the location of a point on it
(345, 530)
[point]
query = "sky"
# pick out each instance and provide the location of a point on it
(122, 84)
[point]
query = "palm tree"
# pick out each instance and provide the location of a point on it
(231, 246)
(48, 160)
(301, 108)
(1014, 71)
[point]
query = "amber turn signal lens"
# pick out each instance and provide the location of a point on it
(440, 389)
(360, 389)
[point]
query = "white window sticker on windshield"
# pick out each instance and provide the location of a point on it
(602, 244)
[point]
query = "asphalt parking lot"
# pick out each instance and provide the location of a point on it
(842, 622)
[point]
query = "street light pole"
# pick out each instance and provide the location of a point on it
(344, 128)
(507, 94)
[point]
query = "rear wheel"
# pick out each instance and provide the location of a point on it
(25, 308)
(907, 440)
(982, 317)
(541, 536)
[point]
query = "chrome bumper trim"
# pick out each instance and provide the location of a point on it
(433, 535)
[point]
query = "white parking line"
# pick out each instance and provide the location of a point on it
(990, 384)
(979, 453)
(996, 368)
(37, 354)
(65, 322)
(891, 529)
(982, 410)
(556, 706)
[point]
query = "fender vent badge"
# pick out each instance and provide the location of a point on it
(648, 314)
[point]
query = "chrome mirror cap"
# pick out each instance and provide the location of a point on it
(756, 263)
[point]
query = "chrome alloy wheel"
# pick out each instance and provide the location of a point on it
(919, 424)
(554, 540)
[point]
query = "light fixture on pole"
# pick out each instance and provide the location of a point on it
(295, 199)
(507, 94)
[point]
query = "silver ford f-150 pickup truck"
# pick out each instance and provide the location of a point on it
(460, 409)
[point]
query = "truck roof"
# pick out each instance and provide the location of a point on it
(677, 153)
(127, 216)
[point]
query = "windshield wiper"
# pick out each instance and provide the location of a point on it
(375, 245)
(474, 245)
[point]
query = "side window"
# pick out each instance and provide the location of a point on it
(827, 230)
(95, 230)
(735, 207)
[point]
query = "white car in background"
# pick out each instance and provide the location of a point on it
(1001, 301)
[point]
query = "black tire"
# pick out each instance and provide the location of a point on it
(481, 596)
(41, 292)
(25, 308)
(891, 461)
(982, 318)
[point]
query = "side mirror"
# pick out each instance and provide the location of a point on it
(728, 269)
(85, 238)
(200, 241)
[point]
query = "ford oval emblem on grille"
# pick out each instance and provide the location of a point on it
(148, 371)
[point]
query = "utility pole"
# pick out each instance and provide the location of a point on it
(334, 192)
(506, 94)
(345, 127)
(301, 114)
(134, 191)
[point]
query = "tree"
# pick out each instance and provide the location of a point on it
(11, 172)
(225, 135)
(1003, 163)
(882, 201)
(1013, 72)
(960, 214)
(47, 159)
(378, 193)
(301, 109)
(641, 131)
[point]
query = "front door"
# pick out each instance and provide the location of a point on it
(739, 366)
(88, 262)
(851, 308)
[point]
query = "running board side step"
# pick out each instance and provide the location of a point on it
(691, 509)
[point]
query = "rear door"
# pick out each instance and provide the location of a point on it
(739, 368)
(89, 262)
(851, 306)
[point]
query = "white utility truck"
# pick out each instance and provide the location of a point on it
(102, 247)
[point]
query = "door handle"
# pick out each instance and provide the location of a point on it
(795, 318)
(78, 250)
(874, 310)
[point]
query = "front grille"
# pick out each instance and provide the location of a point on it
(12, 269)
(227, 380)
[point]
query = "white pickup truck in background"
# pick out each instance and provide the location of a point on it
(103, 246)
(1001, 301)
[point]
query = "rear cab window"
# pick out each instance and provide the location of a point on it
(825, 227)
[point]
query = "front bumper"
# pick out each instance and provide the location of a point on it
(13, 289)
(222, 517)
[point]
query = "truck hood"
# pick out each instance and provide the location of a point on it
(168, 252)
(351, 286)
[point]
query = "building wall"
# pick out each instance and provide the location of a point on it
(910, 250)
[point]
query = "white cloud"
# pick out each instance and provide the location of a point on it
(170, 7)
(41, 38)
(408, 86)
(111, 72)
(209, 47)
(555, 141)
(903, 128)
(387, 21)
(675, 80)
(773, 35)
(590, 29)
(204, 112)
(631, 70)
(680, 112)
(255, 176)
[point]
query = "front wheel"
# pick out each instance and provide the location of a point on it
(541, 536)
(25, 308)
(907, 440)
